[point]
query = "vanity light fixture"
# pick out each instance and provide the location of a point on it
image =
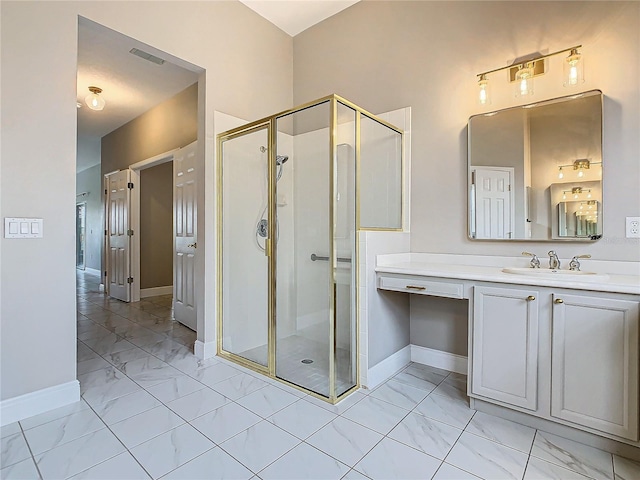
(576, 192)
(523, 72)
(580, 165)
(94, 101)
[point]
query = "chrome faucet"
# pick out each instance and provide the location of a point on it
(554, 261)
(574, 264)
(535, 261)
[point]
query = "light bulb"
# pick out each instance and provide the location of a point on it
(573, 71)
(581, 207)
(564, 196)
(484, 97)
(94, 101)
(560, 174)
(575, 196)
(589, 195)
(524, 80)
(580, 173)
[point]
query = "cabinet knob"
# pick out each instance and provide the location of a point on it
(530, 298)
(558, 300)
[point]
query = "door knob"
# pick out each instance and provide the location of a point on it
(192, 245)
(530, 298)
(558, 300)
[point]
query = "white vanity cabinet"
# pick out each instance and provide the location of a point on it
(594, 363)
(583, 371)
(504, 361)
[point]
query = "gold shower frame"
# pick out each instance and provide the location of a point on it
(269, 123)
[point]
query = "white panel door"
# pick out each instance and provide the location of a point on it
(505, 345)
(594, 366)
(185, 230)
(118, 238)
(493, 202)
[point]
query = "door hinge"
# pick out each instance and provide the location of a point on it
(509, 189)
(473, 178)
(105, 232)
(105, 191)
(130, 280)
(130, 185)
(105, 273)
(130, 233)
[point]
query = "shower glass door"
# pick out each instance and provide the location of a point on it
(303, 249)
(243, 209)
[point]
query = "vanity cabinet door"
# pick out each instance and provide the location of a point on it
(594, 365)
(505, 345)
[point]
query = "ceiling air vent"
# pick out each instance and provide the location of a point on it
(146, 56)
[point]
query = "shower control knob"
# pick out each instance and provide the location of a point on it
(192, 245)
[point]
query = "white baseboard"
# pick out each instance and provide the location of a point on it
(439, 359)
(386, 368)
(155, 291)
(40, 401)
(93, 271)
(204, 350)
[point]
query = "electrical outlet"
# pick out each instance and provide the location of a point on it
(633, 227)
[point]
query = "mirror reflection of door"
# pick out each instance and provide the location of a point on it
(493, 201)
(81, 238)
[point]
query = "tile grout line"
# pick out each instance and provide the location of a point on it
(33, 458)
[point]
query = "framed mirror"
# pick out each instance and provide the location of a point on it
(532, 168)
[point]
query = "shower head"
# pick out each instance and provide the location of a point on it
(281, 159)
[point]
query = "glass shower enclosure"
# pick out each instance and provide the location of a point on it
(294, 189)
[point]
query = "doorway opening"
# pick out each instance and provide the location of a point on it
(81, 236)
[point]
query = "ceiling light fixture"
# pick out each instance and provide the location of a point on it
(94, 101)
(525, 68)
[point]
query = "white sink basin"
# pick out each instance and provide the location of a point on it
(558, 274)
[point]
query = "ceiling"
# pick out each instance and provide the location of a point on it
(132, 85)
(295, 16)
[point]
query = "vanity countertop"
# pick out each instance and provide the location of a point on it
(428, 265)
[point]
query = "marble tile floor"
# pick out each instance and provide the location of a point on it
(150, 409)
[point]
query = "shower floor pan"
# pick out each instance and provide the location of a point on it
(292, 364)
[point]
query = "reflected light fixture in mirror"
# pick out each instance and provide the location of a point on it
(94, 101)
(580, 165)
(523, 71)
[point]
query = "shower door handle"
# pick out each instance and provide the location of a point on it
(267, 247)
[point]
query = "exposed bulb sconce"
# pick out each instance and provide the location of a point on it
(522, 73)
(573, 69)
(484, 97)
(579, 165)
(524, 79)
(94, 101)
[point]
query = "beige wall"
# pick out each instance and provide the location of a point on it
(384, 55)
(389, 54)
(170, 125)
(245, 67)
(156, 226)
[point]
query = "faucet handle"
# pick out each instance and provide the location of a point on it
(554, 261)
(574, 264)
(535, 261)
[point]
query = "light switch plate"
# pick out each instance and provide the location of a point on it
(20, 227)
